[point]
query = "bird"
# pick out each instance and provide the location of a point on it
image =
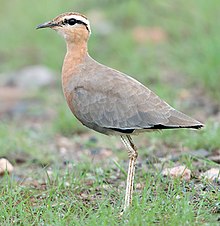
(109, 101)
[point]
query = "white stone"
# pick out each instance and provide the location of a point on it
(5, 166)
(212, 174)
(178, 171)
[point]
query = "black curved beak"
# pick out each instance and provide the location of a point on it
(47, 24)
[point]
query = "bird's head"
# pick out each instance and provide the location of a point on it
(72, 26)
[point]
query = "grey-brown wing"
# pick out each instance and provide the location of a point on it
(120, 103)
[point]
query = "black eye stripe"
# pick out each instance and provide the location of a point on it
(73, 21)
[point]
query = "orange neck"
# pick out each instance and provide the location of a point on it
(76, 42)
(76, 53)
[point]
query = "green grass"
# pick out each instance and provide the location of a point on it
(64, 184)
(76, 198)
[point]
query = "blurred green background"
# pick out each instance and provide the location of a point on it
(190, 46)
(171, 46)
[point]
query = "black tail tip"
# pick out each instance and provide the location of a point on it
(198, 126)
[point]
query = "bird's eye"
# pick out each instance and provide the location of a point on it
(71, 21)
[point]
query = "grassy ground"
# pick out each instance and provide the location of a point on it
(67, 175)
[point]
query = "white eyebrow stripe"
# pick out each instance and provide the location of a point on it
(80, 18)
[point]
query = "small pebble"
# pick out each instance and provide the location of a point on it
(178, 171)
(5, 166)
(213, 174)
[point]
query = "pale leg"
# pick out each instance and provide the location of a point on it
(132, 154)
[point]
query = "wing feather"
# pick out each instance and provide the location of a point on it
(111, 99)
